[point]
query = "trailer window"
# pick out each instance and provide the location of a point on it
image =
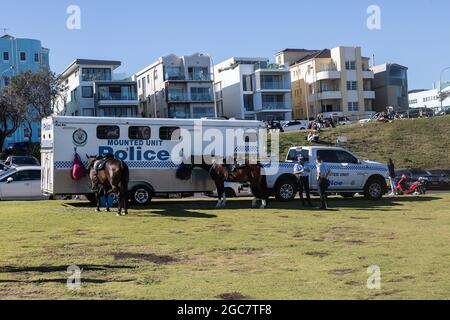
(169, 133)
(108, 132)
(139, 133)
(251, 137)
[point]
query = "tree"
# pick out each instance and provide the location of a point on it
(41, 91)
(12, 109)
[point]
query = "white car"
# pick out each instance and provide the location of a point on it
(297, 125)
(234, 190)
(22, 183)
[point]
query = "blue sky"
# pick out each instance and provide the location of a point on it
(137, 32)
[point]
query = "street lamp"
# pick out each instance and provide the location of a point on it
(6, 70)
(440, 87)
(307, 91)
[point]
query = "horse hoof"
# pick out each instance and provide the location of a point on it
(262, 207)
(118, 215)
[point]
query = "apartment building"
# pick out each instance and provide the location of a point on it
(19, 55)
(177, 87)
(391, 87)
(336, 80)
(253, 89)
(93, 90)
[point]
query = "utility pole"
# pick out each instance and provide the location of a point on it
(441, 97)
(4, 30)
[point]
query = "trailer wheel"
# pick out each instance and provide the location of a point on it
(229, 193)
(141, 195)
(286, 190)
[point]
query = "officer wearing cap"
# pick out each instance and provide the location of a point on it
(302, 172)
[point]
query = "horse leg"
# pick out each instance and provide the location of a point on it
(105, 195)
(220, 193)
(263, 204)
(124, 198)
(116, 192)
(97, 201)
(254, 202)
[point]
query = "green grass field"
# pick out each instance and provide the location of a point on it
(188, 250)
(410, 143)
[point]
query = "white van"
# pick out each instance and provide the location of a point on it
(145, 144)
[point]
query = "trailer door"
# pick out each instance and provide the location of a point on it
(47, 172)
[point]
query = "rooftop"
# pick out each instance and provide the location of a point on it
(72, 67)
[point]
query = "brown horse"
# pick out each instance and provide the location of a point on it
(113, 176)
(248, 173)
(253, 174)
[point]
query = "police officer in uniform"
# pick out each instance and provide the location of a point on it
(302, 171)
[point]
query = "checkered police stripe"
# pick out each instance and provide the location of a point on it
(332, 167)
(246, 149)
(131, 164)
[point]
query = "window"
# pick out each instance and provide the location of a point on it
(201, 94)
(28, 175)
(247, 83)
(352, 85)
(73, 94)
(248, 102)
(87, 92)
(139, 133)
(293, 155)
(91, 74)
(328, 156)
(155, 75)
(36, 57)
(35, 175)
(23, 56)
(345, 157)
(353, 106)
(167, 133)
(199, 73)
(350, 65)
(108, 132)
(6, 56)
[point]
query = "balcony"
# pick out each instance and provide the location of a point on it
(369, 94)
(368, 74)
(265, 85)
(327, 95)
(182, 97)
(273, 106)
(328, 74)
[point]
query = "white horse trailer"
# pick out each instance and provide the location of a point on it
(146, 145)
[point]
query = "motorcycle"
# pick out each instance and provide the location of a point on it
(417, 188)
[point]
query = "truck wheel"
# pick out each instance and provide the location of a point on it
(348, 195)
(375, 189)
(229, 193)
(286, 190)
(141, 195)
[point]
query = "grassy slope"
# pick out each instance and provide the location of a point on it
(410, 143)
(279, 253)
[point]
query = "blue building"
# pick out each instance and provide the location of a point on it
(16, 56)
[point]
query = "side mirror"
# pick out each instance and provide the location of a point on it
(9, 180)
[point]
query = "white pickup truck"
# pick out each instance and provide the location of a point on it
(349, 174)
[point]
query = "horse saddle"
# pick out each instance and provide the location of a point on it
(100, 163)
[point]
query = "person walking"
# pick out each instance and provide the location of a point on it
(302, 173)
(392, 176)
(323, 173)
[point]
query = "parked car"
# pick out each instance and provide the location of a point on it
(343, 121)
(419, 112)
(296, 125)
(233, 190)
(22, 183)
(20, 147)
(4, 168)
(16, 161)
(444, 112)
(414, 174)
(444, 175)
